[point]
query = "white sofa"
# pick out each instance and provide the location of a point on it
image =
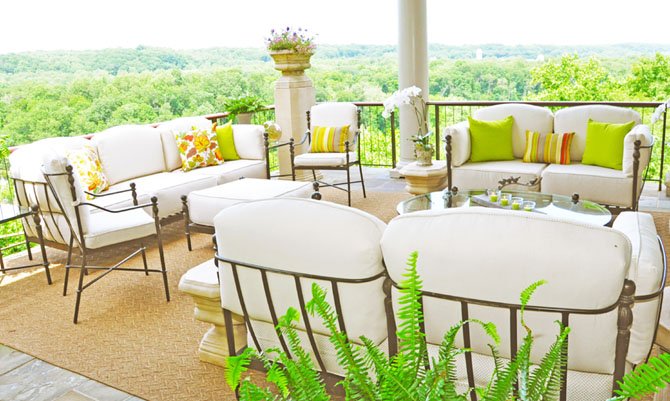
(599, 184)
(145, 155)
(484, 254)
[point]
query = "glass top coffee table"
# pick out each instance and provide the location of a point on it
(565, 207)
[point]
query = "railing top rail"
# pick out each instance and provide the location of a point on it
(541, 103)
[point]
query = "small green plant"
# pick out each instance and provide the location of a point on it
(242, 104)
(298, 41)
(410, 374)
(645, 380)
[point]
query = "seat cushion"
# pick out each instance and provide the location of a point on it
(526, 117)
(167, 187)
(205, 204)
(117, 146)
(233, 170)
(324, 159)
(598, 184)
(487, 174)
(646, 270)
(113, 228)
(575, 119)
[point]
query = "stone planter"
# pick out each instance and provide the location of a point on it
(291, 63)
(244, 118)
(424, 156)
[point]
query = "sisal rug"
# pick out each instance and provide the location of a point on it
(128, 337)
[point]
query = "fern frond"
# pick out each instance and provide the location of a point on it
(236, 366)
(545, 381)
(250, 392)
(357, 380)
(411, 340)
(646, 379)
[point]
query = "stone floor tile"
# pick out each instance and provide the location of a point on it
(37, 381)
(11, 359)
(74, 395)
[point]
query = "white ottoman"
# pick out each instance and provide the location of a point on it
(202, 284)
(201, 206)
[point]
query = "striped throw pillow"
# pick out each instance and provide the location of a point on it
(329, 139)
(548, 148)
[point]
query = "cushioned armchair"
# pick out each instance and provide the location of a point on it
(618, 188)
(475, 262)
(260, 286)
(71, 221)
(332, 148)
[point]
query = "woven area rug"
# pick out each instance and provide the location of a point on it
(128, 336)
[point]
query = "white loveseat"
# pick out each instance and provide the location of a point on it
(145, 155)
(618, 188)
(465, 254)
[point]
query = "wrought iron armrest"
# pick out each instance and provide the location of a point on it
(278, 145)
(132, 189)
(306, 135)
(120, 210)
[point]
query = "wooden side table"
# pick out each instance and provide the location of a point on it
(22, 212)
(425, 179)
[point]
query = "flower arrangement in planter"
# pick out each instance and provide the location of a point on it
(291, 50)
(299, 41)
(412, 96)
(242, 107)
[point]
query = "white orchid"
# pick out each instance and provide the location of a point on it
(411, 96)
(660, 110)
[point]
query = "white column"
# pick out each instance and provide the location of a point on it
(412, 69)
(294, 95)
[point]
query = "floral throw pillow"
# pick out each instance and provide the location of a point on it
(87, 166)
(198, 148)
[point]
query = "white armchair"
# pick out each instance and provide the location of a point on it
(341, 253)
(475, 262)
(333, 115)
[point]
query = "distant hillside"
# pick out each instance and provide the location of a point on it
(140, 59)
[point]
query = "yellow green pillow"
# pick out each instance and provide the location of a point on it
(604, 144)
(87, 166)
(491, 140)
(329, 139)
(198, 148)
(226, 140)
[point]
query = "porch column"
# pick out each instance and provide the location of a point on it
(412, 70)
(294, 95)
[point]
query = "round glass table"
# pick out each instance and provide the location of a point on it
(565, 207)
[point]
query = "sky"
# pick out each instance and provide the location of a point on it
(28, 25)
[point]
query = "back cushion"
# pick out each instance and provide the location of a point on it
(334, 114)
(575, 119)
(129, 151)
(318, 238)
(491, 254)
(526, 117)
(249, 141)
(168, 130)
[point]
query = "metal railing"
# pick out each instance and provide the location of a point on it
(380, 139)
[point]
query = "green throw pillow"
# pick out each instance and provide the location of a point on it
(224, 135)
(491, 140)
(604, 144)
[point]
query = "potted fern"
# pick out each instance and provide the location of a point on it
(409, 375)
(243, 107)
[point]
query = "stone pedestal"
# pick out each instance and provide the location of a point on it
(425, 179)
(202, 284)
(294, 95)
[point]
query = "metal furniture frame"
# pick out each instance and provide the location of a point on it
(623, 306)
(75, 236)
(23, 213)
(307, 138)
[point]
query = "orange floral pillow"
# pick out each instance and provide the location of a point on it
(198, 148)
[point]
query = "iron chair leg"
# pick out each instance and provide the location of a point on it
(67, 264)
(157, 222)
(348, 186)
(360, 170)
(187, 221)
(43, 251)
(80, 287)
